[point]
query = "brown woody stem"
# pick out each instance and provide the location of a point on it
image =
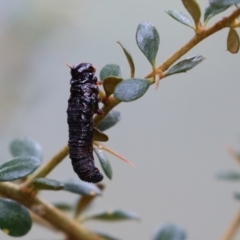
(47, 212)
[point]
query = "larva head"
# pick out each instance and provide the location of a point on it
(82, 72)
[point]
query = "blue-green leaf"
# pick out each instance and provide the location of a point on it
(170, 232)
(110, 70)
(229, 175)
(47, 184)
(193, 8)
(184, 65)
(80, 187)
(131, 89)
(212, 10)
(130, 60)
(223, 2)
(180, 17)
(14, 218)
(113, 215)
(110, 120)
(18, 167)
(104, 162)
(26, 147)
(148, 40)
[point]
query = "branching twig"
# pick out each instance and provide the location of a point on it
(48, 212)
(225, 22)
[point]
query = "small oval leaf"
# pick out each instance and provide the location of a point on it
(115, 215)
(170, 232)
(180, 17)
(109, 85)
(233, 41)
(26, 147)
(193, 8)
(131, 89)
(63, 206)
(130, 60)
(229, 176)
(18, 167)
(104, 162)
(80, 187)
(148, 39)
(185, 65)
(14, 218)
(110, 120)
(213, 10)
(47, 184)
(99, 136)
(223, 2)
(110, 70)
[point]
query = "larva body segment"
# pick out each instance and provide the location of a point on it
(82, 104)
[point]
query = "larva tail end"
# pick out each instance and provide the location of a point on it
(93, 178)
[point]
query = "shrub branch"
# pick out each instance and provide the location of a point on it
(47, 212)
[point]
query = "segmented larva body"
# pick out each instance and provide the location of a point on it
(82, 104)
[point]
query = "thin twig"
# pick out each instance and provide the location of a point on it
(233, 153)
(225, 22)
(233, 228)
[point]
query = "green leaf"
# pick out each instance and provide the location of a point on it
(14, 218)
(229, 176)
(115, 215)
(109, 85)
(223, 2)
(63, 206)
(193, 8)
(106, 236)
(170, 232)
(185, 65)
(212, 10)
(99, 136)
(26, 147)
(180, 17)
(82, 188)
(18, 167)
(104, 162)
(131, 89)
(110, 70)
(130, 60)
(232, 41)
(47, 184)
(110, 120)
(148, 39)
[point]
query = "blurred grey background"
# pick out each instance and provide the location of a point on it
(175, 136)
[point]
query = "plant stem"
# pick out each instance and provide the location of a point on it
(48, 212)
(48, 167)
(233, 228)
(225, 22)
(108, 106)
